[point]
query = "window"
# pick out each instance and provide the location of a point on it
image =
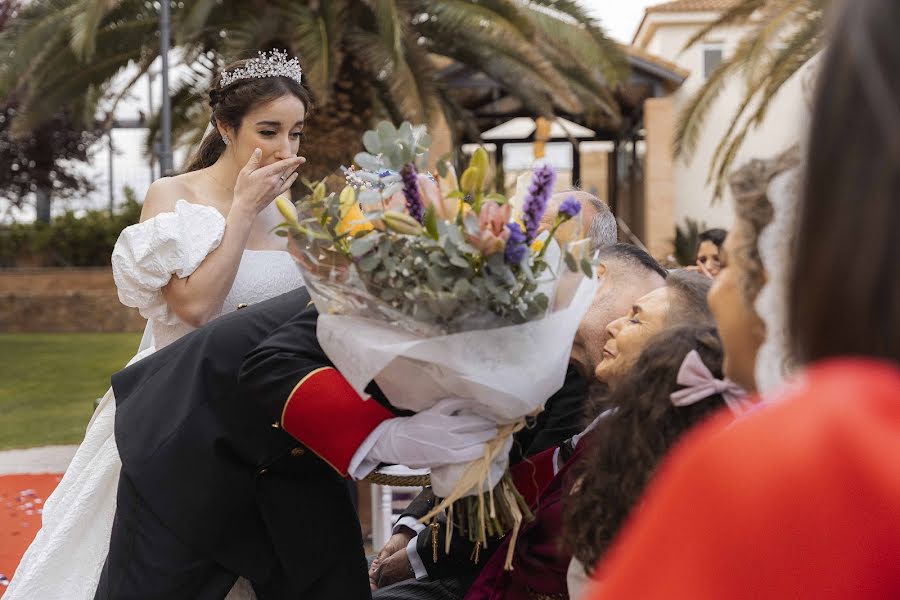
(712, 56)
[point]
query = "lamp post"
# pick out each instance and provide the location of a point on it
(165, 154)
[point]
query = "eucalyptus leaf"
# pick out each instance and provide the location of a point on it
(431, 222)
(369, 198)
(367, 161)
(458, 261)
(386, 133)
(362, 246)
(587, 268)
(368, 262)
(393, 189)
(372, 142)
(571, 262)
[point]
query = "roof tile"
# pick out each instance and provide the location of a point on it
(692, 6)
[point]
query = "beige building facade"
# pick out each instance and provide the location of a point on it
(664, 32)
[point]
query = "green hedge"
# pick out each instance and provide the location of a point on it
(68, 240)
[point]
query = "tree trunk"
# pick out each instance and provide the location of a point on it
(42, 204)
(335, 129)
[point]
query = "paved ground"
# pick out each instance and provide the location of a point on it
(26, 479)
(48, 459)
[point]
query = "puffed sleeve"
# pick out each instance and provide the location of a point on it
(147, 254)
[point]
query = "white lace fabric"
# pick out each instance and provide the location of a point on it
(65, 560)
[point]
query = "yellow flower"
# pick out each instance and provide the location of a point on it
(537, 246)
(353, 222)
(287, 210)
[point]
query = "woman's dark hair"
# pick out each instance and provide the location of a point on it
(624, 449)
(687, 301)
(844, 295)
(231, 103)
(716, 236)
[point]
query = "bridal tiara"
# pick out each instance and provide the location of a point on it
(275, 64)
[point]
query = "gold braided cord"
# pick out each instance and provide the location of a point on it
(398, 480)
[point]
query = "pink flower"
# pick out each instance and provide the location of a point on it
(493, 232)
(444, 208)
(494, 217)
(397, 202)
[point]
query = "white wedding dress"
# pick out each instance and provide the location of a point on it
(66, 557)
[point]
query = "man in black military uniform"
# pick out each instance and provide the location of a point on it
(235, 441)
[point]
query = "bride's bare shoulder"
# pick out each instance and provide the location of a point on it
(166, 191)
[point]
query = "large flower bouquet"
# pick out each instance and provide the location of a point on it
(435, 289)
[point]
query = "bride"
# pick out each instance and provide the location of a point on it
(204, 247)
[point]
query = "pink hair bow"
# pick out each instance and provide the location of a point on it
(701, 385)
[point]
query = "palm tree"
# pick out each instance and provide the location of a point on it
(362, 59)
(784, 36)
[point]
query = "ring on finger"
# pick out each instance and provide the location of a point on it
(282, 178)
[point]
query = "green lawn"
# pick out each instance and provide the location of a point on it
(49, 382)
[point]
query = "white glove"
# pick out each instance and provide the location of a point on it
(432, 438)
(444, 478)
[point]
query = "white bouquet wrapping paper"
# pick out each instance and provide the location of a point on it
(505, 373)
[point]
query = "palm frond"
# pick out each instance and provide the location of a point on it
(766, 71)
(737, 14)
(35, 34)
(390, 26)
(465, 24)
(800, 48)
(611, 61)
(408, 81)
(195, 19)
(595, 96)
(693, 115)
(580, 45)
(313, 36)
(511, 73)
(62, 78)
(86, 24)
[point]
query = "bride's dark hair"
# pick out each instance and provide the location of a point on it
(624, 449)
(231, 103)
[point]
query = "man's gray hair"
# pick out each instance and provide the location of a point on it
(603, 230)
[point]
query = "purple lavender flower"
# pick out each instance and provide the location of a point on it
(411, 190)
(515, 245)
(570, 207)
(536, 200)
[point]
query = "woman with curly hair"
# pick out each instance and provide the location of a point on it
(539, 562)
(676, 383)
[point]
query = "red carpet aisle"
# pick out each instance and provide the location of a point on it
(21, 499)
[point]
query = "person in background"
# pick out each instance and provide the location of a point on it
(735, 290)
(676, 383)
(540, 564)
(801, 499)
(597, 222)
(710, 257)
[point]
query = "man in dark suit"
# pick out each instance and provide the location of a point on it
(235, 441)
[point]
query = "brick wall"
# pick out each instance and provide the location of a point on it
(63, 300)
